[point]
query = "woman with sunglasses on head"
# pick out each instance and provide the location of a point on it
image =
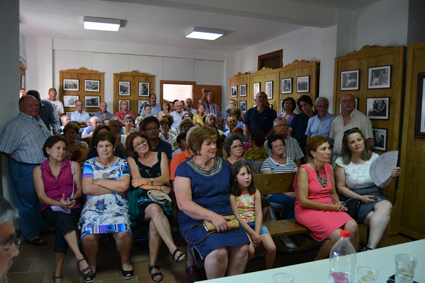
(354, 181)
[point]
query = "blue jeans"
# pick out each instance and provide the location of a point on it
(287, 202)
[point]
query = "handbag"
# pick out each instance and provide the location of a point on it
(353, 206)
(159, 197)
(210, 227)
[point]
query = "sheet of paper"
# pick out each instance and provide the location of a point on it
(381, 168)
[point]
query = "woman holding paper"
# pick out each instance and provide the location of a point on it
(353, 181)
(57, 182)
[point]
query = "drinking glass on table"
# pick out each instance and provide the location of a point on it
(404, 268)
(283, 278)
(367, 274)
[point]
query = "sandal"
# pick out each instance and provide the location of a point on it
(178, 260)
(37, 241)
(367, 249)
(127, 274)
(90, 278)
(155, 274)
(86, 272)
(56, 277)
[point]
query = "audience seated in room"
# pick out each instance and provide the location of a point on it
(93, 152)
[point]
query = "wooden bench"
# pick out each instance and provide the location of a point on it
(278, 183)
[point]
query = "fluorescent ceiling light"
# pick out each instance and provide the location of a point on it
(204, 33)
(101, 23)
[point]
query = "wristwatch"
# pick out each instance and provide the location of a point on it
(151, 181)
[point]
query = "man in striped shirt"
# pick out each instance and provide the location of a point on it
(209, 105)
(21, 141)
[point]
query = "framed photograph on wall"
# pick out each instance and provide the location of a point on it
(297, 108)
(69, 100)
(303, 84)
(286, 85)
(71, 84)
(91, 101)
(256, 90)
(380, 137)
(242, 105)
(91, 85)
(236, 104)
(350, 80)
(281, 107)
(269, 89)
(124, 88)
(242, 90)
(379, 77)
(119, 103)
(377, 108)
(143, 89)
(141, 104)
(234, 91)
(420, 108)
(356, 105)
(68, 114)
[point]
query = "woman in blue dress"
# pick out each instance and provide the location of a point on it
(202, 186)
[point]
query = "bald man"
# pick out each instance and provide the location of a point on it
(103, 112)
(88, 131)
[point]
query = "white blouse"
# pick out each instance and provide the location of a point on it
(357, 175)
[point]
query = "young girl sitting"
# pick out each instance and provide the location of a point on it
(245, 200)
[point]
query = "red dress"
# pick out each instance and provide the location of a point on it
(320, 223)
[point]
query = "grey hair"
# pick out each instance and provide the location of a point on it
(115, 118)
(178, 101)
(7, 211)
(139, 120)
(129, 117)
(229, 108)
(211, 114)
(229, 141)
(278, 119)
(321, 98)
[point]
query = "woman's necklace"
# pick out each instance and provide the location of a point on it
(323, 183)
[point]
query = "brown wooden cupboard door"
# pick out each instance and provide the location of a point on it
(216, 89)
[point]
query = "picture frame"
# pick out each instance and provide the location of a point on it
(377, 108)
(119, 103)
(297, 108)
(303, 84)
(69, 100)
(68, 114)
(91, 101)
(350, 80)
(234, 91)
(286, 86)
(91, 85)
(236, 104)
(123, 88)
(144, 89)
(71, 84)
(420, 104)
(379, 77)
(256, 89)
(242, 105)
(242, 90)
(281, 107)
(269, 89)
(140, 105)
(356, 106)
(380, 138)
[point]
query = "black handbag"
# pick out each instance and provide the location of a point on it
(353, 206)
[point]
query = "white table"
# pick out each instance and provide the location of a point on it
(317, 271)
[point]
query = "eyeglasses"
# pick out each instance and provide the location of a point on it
(143, 143)
(14, 244)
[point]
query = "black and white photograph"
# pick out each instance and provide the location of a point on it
(256, 90)
(281, 107)
(286, 85)
(68, 114)
(242, 90)
(242, 105)
(236, 104)
(70, 84)
(91, 85)
(297, 108)
(140, 105)
(378, 108)
(269, 89)
(356, 105)
(380, 137)
(350, 80)
(92, 101)
(69, 100)
(143, 89)
(124, 88)
(303, 84)
(119, 103)
(379, 77)
(420, 108)
(234, 91)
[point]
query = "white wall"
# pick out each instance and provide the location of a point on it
(327, 58)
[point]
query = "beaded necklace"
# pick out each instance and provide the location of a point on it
(323, 183)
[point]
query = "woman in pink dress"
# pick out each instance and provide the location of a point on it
(317, 205)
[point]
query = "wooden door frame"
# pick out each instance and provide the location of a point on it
(162, 82)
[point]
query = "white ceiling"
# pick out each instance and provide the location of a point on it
(164, 22)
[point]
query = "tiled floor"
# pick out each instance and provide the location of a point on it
(36, 264)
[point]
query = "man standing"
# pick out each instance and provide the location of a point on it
(189, 106)
(150, 127)
(348, 119)
(321, 123)
(156, 108)
(79, 115)
(103, 112)
(209, 105)
(9, 244)
(47, 112)
(292, 149)
(22, 141)
(56, 103)
(124, 106)
(177, 116)
(88, 131)
(260, 118)
(299, 124)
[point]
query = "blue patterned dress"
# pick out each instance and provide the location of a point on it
(106, 213)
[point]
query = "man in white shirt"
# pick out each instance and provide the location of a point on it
(177, 115)
(79, 115)
(88, 131)
(56, 103)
